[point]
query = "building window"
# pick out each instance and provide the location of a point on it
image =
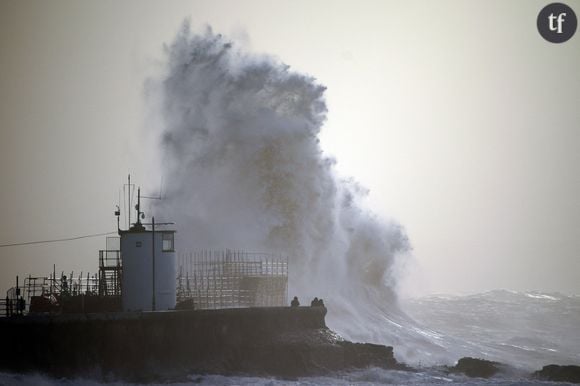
(167, 238)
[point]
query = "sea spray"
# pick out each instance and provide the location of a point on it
(243, 168)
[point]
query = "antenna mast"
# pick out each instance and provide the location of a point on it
(129, 194)
(138, 207)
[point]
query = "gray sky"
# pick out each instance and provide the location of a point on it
(460, 119)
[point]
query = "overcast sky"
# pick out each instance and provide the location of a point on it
(460, 119)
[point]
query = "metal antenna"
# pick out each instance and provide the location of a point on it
(124, 205)
(153, 305)
(138, 207)
(118, 214)
(129, 209)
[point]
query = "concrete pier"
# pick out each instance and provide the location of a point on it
(145, 346)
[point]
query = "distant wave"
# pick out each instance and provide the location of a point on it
(525, 329)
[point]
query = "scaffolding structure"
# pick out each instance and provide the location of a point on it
(65, 290)
(232, 279)
(110, 268)
(110, 273)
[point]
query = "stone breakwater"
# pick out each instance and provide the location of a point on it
(147, 346)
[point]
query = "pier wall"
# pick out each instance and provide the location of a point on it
(142, 346)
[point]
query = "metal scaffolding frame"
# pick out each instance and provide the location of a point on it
(58, 289)
(232, 279)
(110, 273)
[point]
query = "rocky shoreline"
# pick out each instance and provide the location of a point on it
(481, 368)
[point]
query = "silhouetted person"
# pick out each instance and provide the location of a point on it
(320, 303)
(314, 302)
(294, 302)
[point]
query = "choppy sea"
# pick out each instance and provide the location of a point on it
(523, 330)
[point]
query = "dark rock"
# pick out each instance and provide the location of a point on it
(477, 368)
(558, 373)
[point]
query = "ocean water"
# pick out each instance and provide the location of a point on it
(526, 330)
(371, 376)
(523, 330)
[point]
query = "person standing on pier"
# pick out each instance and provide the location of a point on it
(295, 302)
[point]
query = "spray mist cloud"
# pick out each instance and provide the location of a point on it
(243, 168)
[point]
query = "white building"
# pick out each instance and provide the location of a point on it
(149, 269)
